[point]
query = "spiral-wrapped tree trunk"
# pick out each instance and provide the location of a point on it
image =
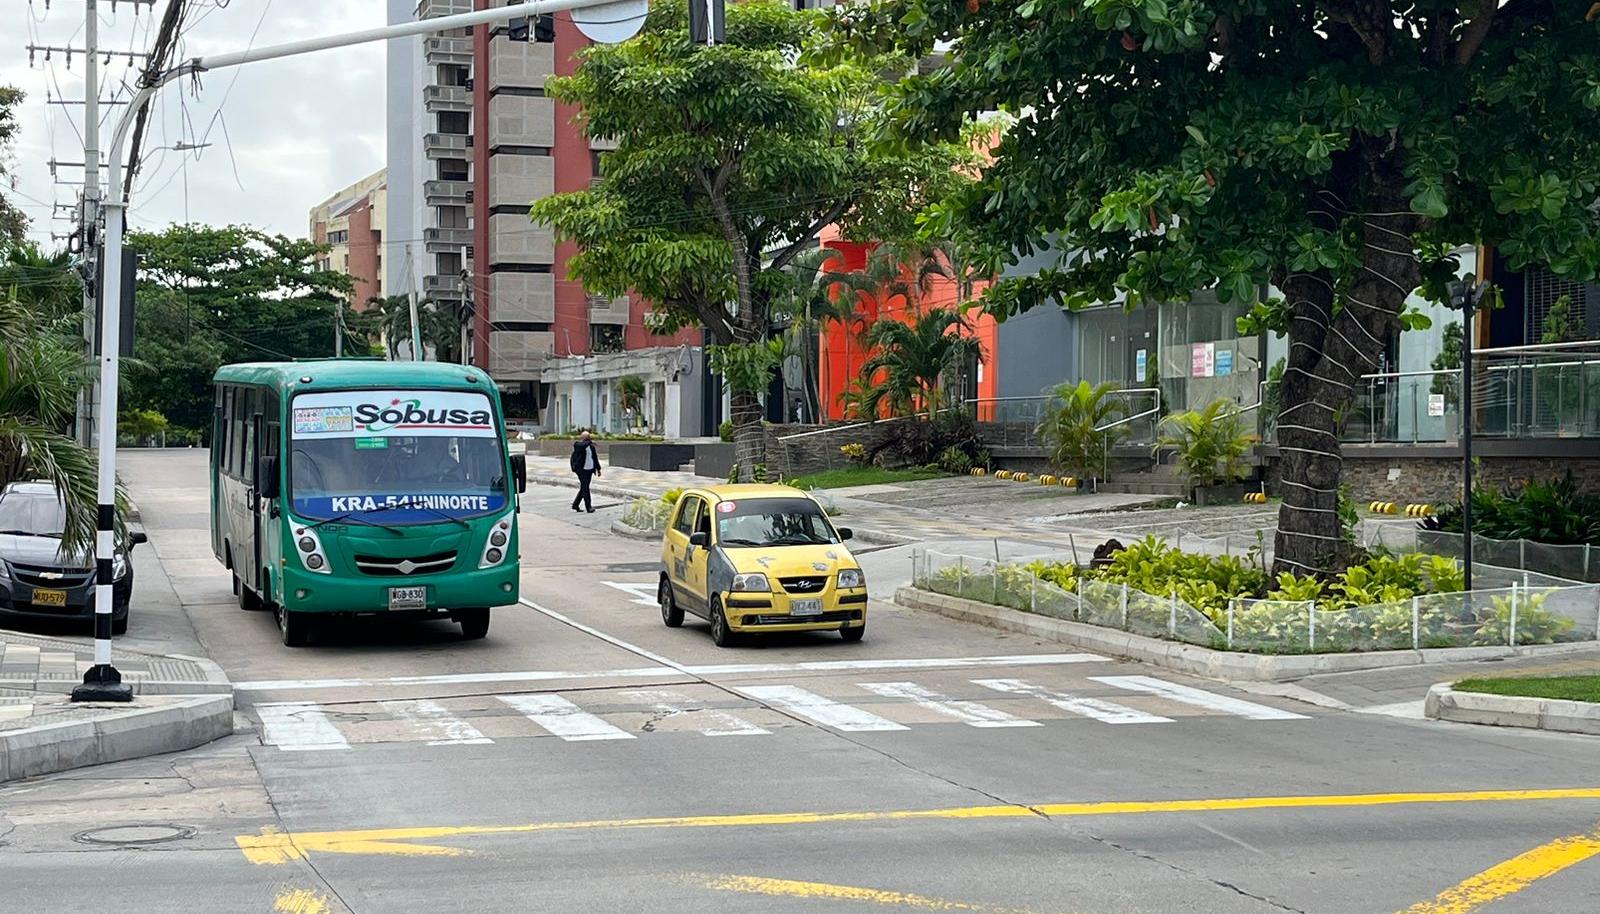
(1336, 335)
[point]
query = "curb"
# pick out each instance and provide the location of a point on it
(634, 533)
(130, 734)
(1445, 703)
(1203, 661)
(215, 683)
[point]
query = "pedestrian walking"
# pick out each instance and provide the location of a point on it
(586, 463)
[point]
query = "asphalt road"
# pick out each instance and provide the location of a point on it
(586, 758)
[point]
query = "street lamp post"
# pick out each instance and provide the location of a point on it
(103, 682)
(1466, 296)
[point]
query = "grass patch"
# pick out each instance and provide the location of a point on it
(860, 476)
(1570, 688)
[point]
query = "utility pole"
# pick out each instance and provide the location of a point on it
(338, 329)
(467, 315)
(411, 296)
(91, 208)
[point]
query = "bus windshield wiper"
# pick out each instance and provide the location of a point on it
(352, 518)
(449, 517)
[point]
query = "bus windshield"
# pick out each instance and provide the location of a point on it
(410, 456)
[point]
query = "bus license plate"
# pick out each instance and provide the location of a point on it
(50, 597)
(805, 607)
(408, 598)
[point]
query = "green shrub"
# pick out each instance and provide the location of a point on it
(1547, 511)
(725, 430)
(1072, 413)
(1211, 443)
(671, 496)
(954, 461)
(1535, 624)
(1291, 587)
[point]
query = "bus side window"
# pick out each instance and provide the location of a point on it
(236, 404)
(219, 438)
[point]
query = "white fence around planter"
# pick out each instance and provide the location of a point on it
(1518, 608)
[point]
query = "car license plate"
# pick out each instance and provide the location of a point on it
(408, 598)
(805, 607)
(50, 597)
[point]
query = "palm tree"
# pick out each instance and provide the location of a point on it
(1074, 413)
(818, 296)
(439, 328)
(46, 284)
(910, 360)
(913, 269)
(40, 375)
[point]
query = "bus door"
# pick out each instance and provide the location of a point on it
(254, 503)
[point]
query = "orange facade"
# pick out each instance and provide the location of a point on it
(842, 353)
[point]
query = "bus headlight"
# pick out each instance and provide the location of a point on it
(494, 551)
(310, 551)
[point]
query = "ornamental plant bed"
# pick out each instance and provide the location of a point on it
(1564, 688)
(1230, 602)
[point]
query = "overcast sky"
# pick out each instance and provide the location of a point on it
(299, 128)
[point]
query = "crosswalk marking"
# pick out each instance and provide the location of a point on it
(299, 726)
(563, 718)
(815, 708)
(672, 703)
(1104, 711)
(970, 713)
(433, 722)
(1197, 697)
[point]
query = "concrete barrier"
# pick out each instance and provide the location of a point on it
(171, 725)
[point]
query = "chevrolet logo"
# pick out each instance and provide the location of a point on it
(51, 575)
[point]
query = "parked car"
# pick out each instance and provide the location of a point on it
(759, 558)
(36, 580)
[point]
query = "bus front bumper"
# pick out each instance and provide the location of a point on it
(321, 593)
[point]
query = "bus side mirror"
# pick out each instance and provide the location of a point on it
(267, 485)
(519, 469)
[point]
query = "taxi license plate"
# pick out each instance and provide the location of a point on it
(805, 607)
(408, 598)
(50, 597)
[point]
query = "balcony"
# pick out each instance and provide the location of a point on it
(441, 287)
(439, 49)
(446, 98)
(446, 192)
(603, 310)
(429, 9)
(445, 240)
(446, 145)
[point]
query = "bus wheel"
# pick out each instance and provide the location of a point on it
(249, 600)
(295, 628)
(474, 623)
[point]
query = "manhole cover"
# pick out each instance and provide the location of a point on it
(135, 835)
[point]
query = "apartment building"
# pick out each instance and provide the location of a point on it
(351, 223)
(470, 124)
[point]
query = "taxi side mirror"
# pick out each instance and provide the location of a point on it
(846, 533)
(700, 539)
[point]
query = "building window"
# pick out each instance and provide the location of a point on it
(339, 237)
(605, 338)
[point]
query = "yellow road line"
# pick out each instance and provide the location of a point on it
(273, 847)
(788, 888)
(1512, 876)
(300, 901)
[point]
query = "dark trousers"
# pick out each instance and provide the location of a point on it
(583, 491)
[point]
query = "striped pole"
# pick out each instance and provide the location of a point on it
(102, 682)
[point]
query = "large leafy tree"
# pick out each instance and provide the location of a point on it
(1335, 148)
(209, 295)
(13, 223)
(730, 160)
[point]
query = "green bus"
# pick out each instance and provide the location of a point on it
(364, 487)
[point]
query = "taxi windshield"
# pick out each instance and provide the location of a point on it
(773, 522)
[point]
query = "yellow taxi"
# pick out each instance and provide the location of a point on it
(759, 558)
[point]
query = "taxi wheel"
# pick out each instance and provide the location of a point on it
(721, 634)
(853, 634)
(294, 627)
(671, 612)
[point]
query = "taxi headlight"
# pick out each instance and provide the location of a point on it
(755, 582)
(852, 577)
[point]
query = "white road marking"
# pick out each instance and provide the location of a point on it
(435, 723)
(825, 711)
(721, 669)
(299, 726)
(1104, 711)
(643, 594)
(1197, 697)
(970, 713)
(563, 718)
(672, 703)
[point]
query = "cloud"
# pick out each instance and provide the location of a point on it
(294, 130)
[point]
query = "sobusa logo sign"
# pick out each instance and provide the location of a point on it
(410, 414)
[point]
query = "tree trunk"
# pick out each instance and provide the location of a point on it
(1328, 354)
(749, 438)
